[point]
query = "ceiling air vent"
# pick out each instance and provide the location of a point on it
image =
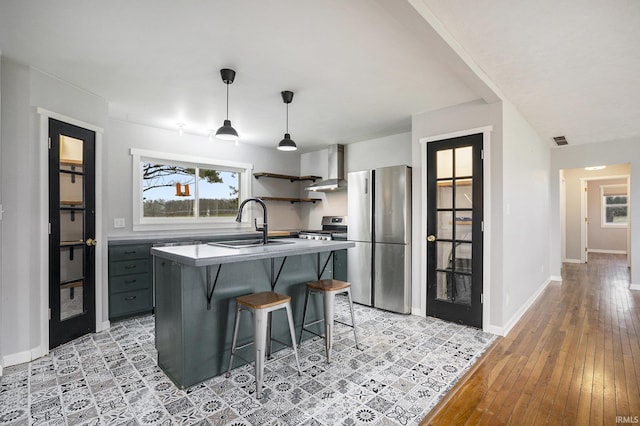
(560, 140)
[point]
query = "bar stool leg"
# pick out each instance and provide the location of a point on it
(304, 315)
(353, 319)
(234, 340)
(268, 338)
(260, 330)
(329, 310)
(293, 336)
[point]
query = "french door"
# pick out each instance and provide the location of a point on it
(454, 229)
(71, 232)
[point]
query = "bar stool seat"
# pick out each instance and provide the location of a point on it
(329, 288)
(261, 305)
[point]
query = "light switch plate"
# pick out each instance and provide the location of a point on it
(118, 222)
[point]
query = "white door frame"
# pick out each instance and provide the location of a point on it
(584, 235)
(486, 235)
(45, 115)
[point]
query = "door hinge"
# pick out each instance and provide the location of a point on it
(49, 228)
(49, 314)
(585, 250)
(49, 143)
(482, 226)
(482, 154)
(481, 297)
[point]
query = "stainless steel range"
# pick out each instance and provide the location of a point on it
(333, 228)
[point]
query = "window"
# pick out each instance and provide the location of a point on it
(614, 205)
(182, 192)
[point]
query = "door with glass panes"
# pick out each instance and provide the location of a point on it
(454, 229)
(71, 232)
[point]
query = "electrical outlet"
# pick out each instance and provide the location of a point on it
(118, 222)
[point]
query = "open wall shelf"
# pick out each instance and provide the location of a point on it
(292, 200)
(287, 177)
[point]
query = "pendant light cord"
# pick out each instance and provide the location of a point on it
(227, 101)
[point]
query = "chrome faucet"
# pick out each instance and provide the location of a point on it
(265, 233)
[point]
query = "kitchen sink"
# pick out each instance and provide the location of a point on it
(248, 243)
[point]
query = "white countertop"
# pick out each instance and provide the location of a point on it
(206, 254)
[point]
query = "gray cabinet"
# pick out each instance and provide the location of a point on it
(130, 280)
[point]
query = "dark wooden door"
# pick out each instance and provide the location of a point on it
(71, 232)
(454, 229)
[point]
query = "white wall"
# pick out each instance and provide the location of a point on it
(124, 135)
(455, 119)
(525, 262)
(24, 266)
(380, 152)
(516, 216)
(572, 157)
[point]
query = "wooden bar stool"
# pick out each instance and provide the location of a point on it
(329, 289)
(261, 305)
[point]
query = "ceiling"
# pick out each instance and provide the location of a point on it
(359, 68)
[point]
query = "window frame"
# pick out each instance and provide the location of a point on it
(141, 223)
(603, 205)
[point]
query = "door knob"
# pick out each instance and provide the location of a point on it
(91, 242)
(431, 238)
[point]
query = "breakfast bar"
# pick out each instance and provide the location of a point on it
(196, 287)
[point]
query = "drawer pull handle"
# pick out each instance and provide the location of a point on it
(130, 252)
(130, 298)
(130, 281)
(130, 267)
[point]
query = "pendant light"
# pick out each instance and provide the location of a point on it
(287, 144)
(226, 132)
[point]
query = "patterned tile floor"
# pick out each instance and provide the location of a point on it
(403, 368)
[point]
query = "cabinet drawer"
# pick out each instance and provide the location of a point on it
(128, 267)
(129, 302)
(129, 283)
(127, 252)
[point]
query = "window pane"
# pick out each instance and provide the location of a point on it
(167, 190)
(444, 163)
(464, 161)
(616, 214)
(218, 193)
(616, 199)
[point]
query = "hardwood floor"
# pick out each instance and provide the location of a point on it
(573, 358)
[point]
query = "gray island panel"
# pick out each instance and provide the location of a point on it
(193, 342)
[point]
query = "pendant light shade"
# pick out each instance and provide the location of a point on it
(227, 132)
(287, 144)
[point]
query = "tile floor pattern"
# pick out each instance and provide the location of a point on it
(403, 368)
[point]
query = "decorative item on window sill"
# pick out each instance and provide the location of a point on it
(180, 192)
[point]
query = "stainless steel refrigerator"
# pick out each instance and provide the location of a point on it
(379, 211)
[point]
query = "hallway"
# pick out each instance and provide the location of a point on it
(574, 357)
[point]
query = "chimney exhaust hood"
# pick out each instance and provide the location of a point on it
(335, 178)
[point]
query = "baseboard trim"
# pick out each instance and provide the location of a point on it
(607, 251)
(556, 278)
(516, 317)
(17, 358)
(634, 287)
(572, 261)
(418, 312)
(104, 326)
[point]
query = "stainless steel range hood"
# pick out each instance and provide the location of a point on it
(335, 177)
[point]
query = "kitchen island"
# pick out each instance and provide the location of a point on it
(195, 290)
